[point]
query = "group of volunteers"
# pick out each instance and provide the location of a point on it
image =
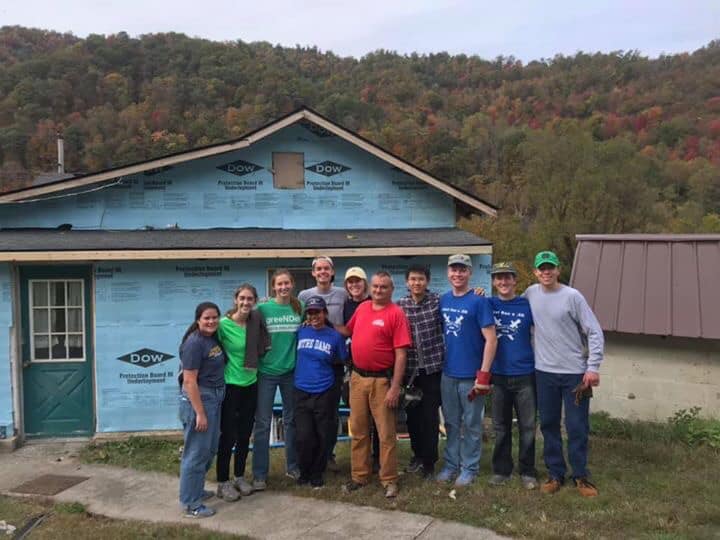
(539, 353)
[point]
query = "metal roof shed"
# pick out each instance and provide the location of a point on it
(651, 284)
(658, 300)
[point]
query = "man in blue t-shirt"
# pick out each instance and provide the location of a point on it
(470, 343)
(513, 379)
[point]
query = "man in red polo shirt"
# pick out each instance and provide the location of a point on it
(381, 335)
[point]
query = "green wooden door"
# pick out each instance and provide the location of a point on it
(57, 351)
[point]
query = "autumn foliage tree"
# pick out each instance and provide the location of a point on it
(587, 143)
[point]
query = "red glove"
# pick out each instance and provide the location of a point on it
(482, 385)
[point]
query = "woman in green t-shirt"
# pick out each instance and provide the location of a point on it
(283, 315)
(244, 336)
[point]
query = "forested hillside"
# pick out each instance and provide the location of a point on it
(582, 144)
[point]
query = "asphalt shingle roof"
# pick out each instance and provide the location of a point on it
(78, 240)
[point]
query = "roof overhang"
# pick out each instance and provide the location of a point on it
(67, 246)
(244, 142)
(192, 254)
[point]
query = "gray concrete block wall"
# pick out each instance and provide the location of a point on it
(652, 377)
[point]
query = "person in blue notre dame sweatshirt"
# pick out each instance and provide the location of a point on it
(319, 349)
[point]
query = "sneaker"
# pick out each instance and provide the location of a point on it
(465, 479)
(391, 490)
(529, 482)
(259, 485)
(207, 494)
(351, 486)
(317, 483)
(551, 485)
(427, 473)
(446, 475)
(201, 511)
(302, 481)
(243, 486)
(585, 488)
(498, 480)
(227, 492)
(332, 465)
(294, 474)
(414, 466)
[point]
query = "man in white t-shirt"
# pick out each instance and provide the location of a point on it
(323, 270)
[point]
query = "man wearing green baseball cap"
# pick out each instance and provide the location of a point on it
(568, 352)
(513, 379)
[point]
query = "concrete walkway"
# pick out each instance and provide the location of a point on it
(131, 495)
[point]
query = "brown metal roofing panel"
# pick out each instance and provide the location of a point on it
(608, 284)
(584, 272)
(666, 284)
(631, 302)
(685, 294)
(658, 303)
(648, 237)
(708, 277)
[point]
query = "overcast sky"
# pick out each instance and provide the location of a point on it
(526, 29)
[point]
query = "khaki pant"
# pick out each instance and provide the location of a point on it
(367, 396)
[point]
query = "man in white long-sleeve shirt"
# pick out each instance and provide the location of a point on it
(568, 353)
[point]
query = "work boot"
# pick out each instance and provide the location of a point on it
(585, 488)
(391, 490)
(551, 485)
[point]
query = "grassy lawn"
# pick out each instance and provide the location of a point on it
(71, 521)
(651, 486)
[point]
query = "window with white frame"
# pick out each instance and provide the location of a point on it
(57, 320)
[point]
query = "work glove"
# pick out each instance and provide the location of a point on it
(582, 392)
(481, 386)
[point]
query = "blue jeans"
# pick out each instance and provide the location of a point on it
(553, 391)
(267, 386)
(463, 424)
(199, 447)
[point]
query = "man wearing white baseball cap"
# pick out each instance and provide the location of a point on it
(356, 285)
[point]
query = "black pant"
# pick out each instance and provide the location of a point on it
(314, 414)
(517, 393)
(337, 392)
(423, 419)
(236, 425)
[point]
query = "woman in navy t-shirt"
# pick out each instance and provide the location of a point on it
(203, 386)
(320, 347)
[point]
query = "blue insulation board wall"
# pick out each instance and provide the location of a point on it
(6, 405)
(143, 308)
(343, 184)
